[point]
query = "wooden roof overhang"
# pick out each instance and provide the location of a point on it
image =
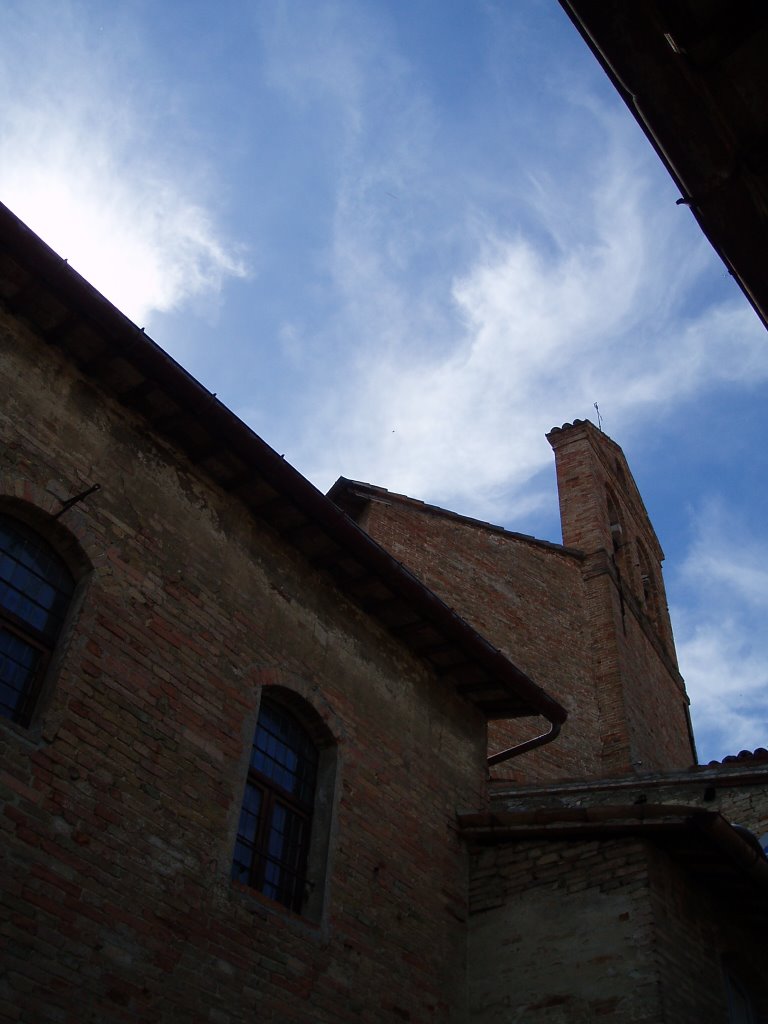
(694, 74)
(725, 858)
(37, 285)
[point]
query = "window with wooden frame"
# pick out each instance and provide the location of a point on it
(36, 588)
(276, 819)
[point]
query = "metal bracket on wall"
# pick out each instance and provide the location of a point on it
(77, 498)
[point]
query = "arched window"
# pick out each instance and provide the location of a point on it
(35, 590)
(272, 849)
(650, 587)
(614, 522)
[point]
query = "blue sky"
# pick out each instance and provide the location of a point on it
(403, 241)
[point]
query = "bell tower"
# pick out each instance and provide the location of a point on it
(640, 694)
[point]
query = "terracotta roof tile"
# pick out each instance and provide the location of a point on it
(757, 756)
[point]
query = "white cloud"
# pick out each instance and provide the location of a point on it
(473, 295)
(315, 60)
(91, 172)
(720, 602)
(536, 329)
(460, 333)
(477, 306)
(459, 336)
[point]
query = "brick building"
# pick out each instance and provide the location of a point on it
(588, 619)
(606, 878)
(244, 740)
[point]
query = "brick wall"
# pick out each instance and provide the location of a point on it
(120, 802)
(569, 930)
(528, 599)
(558, 929)
(641, 694)
(569, 618)
(698, 936)
(700, 939)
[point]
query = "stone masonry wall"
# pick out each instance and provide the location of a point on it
(738, 792)
(570, 931)
(562, 933)
(696, 936)
(118, 806)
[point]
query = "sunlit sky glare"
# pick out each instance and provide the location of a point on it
(402, 240)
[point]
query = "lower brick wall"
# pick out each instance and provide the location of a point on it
(556, 931)
(116, 903)
(568, 931)
(527, 597)
(700, 938)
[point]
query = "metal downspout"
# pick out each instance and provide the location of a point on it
(521, 748)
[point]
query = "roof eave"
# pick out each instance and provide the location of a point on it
(241, 462)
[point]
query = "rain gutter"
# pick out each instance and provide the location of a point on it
(526, 745)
